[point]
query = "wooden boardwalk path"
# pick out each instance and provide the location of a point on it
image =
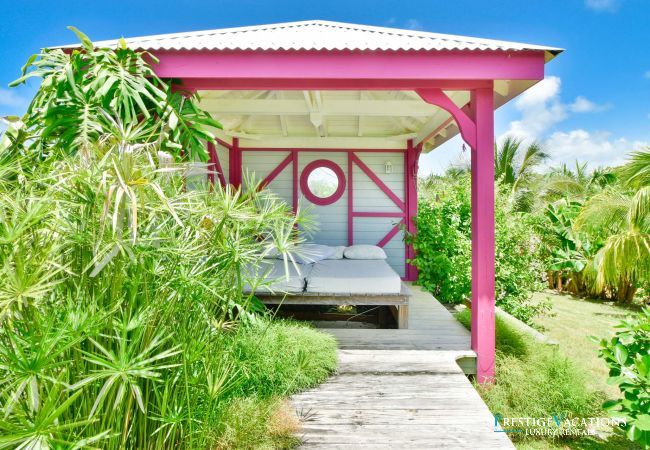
(400, 389)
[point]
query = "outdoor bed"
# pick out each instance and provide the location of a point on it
(358, 275)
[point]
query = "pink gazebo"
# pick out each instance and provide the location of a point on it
(296, 96)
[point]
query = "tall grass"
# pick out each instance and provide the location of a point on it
(535, 380)
(124, 324)
(122, 318)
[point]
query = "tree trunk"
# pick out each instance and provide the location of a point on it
(558, 282)
(550, 275)
(625, 292)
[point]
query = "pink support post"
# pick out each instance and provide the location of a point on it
(235, 163)
(214, 166)
(294, 197)
(411, 177)
(483, 337)
(350, 200)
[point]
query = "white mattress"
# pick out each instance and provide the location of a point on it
(353, 276)
(272, 271)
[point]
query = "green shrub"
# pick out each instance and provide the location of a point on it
(123, 322)
(534, 380)
(282, 358)
(444, 255)
(628, 356)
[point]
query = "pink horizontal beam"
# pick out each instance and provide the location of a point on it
(328, 150)
(218, 83)
(347, 70)
(377, 214)
(390, 235)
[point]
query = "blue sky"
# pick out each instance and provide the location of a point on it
(594, 104)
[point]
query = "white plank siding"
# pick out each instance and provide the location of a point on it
(224, 159)
(332, 220)
(261, 164)
(369, 198)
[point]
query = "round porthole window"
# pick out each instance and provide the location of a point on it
(322, 182)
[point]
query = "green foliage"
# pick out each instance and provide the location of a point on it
(122, 318)
(443, 247)
(87, 94)
(514, 165)
(534, 380)
(627, 355)
(443, 244)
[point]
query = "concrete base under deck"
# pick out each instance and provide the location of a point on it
(400, 389)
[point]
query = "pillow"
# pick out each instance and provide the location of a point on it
(311, 253)
(338, 252)
(364, 252)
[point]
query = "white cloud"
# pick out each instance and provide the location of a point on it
(10, 98)
(647, 74)
(584, 105)
(596, 148)
(540, 109)
(602, 5)
(414, 24)
(409, 24)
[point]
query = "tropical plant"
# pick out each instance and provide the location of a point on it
(443, 247)
(122, 313)
(624, 259)
(577, 183)
(627, 355)
(568, 251)
(513, 164)
(636, 172)
(92, 94)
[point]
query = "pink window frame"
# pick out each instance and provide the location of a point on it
(306, 190)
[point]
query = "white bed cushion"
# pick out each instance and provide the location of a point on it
(275, 279)
(338, 252)
(311, 253)
(362, 251)
(353, 276)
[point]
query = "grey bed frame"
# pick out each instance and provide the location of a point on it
(398, 303)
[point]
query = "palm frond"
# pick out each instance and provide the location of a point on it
(624, 256)
(605, 211)
(636, 173)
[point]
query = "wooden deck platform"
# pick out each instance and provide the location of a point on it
(400, 389)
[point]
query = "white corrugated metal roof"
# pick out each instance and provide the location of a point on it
(319, 35)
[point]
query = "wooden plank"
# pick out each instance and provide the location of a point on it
(400, 389)
(324, 298)
(335, 300)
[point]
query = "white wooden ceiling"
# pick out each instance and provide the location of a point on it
(338, 119)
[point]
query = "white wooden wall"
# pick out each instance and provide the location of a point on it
(369, 198)
(332, 220)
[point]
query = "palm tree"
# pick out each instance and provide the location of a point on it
(624, 217)
(576, 183)
(636, 173)
(514, 164)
